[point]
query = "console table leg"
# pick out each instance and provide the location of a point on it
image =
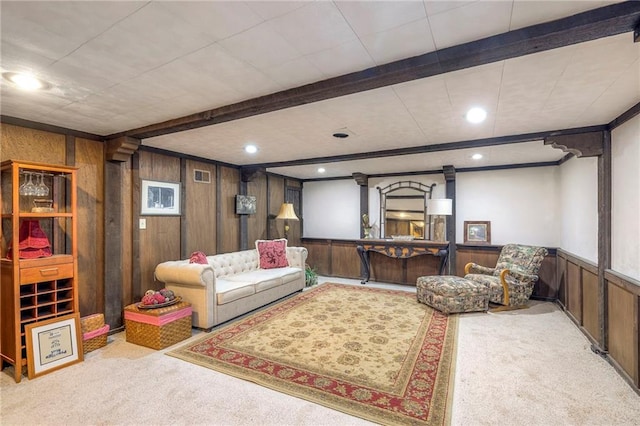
(364, 258)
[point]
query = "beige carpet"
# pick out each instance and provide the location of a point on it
(526, 367)
(374, 353)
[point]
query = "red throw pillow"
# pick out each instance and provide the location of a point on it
(272, 253)
(198, 257)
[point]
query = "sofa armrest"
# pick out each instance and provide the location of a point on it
(183, 273)
(297, 257)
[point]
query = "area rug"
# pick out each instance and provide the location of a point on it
(372, 353)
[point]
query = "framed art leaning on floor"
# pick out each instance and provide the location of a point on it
(53, 344)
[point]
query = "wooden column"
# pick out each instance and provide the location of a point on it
(363, 181)
(596, 144)
(604, 237)
(450, 189)
(118, 152)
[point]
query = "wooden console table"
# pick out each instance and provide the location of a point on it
(402, 250)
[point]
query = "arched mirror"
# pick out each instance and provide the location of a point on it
(403, 211)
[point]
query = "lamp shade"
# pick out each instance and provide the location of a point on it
(287, 212)
(441, 206)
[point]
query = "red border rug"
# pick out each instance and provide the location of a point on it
(372, 353)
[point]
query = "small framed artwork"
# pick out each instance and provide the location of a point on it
(53, 344)
(245, 204)
(477, 231)
(160, 198)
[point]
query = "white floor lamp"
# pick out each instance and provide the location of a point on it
(439, 208)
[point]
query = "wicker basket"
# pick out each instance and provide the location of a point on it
(94, 332)
(158, 328)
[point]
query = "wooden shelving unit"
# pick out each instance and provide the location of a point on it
(36, 289)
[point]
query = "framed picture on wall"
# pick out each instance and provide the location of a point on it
(160, 198)
(245, 204)
(53, 344)
(477, 232)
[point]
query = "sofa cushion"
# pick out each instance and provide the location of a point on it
(272, 253)
(228, 291)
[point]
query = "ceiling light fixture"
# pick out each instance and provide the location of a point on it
(321, 170)
(25, 81)
(341, 135)
(476, 115)
(251, 149)
(476, 156)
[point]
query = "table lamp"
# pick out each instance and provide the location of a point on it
(287, 213)
(439, 208)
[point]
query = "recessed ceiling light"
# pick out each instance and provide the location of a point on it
(476, 156)
(25, 81)
(476, 115)
(251, 149)
(321, 170)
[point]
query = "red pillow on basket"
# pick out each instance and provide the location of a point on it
(198, 257)
(272, 253)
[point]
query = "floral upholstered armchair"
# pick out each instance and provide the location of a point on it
(511, 281)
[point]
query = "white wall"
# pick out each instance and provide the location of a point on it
(579, 207)
(331, 209)
(625, 199)
(521, 204)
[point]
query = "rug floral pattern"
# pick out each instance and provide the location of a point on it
(377, 354)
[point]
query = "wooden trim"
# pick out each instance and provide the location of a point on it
(186, 156)
(113, 224)
(629, 284)
(183, 209)
(5, 119)
(450, 146)
(589, 144)
(624, 117)
(604, 233)
(590, 25)
(578, 261)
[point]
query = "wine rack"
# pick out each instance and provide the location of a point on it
(38, 279)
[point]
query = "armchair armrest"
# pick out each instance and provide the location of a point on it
(474, 268)
(520, 277)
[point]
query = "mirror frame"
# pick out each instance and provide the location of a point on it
(426, 190)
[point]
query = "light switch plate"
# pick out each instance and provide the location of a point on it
(143, 223)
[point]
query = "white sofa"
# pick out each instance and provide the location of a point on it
(231, 284)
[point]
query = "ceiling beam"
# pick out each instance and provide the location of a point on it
(597, 23)
(424, 149)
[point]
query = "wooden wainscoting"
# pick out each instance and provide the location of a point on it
(546, 288)
(579, 295)
(333, 258)
(339, 258)
(578, 279)
(623, 325)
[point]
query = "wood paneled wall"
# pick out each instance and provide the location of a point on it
(89, 158)
(257, 223)
(623, 325)
(339, 258)
(200, 210)
(229, 221)
(20, 143)
(579, 295)
(117, 258)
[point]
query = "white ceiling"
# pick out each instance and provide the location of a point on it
(117, 66)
